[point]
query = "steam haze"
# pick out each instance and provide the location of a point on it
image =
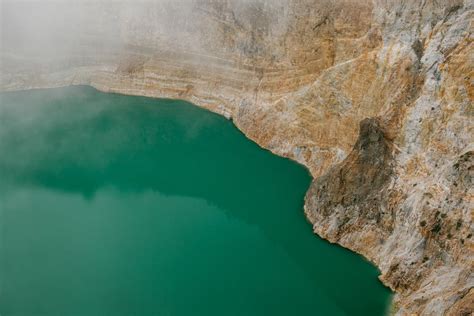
(84, 32)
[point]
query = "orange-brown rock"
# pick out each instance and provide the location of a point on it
(374, 97)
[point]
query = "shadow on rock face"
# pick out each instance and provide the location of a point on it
(357, 181)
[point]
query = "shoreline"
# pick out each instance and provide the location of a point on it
(304, 210)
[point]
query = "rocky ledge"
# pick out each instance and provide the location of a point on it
(374, 97)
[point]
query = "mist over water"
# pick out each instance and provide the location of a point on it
(126, 205)
(118, 205)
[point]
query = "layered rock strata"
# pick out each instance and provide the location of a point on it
(374, 97)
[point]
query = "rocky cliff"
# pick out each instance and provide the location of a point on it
(374, 97)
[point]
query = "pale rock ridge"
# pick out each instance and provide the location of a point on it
(375, 98)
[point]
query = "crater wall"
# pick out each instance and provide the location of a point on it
(374, 97)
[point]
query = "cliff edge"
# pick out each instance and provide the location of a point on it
(374, 97)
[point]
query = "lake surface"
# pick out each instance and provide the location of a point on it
(121, 205)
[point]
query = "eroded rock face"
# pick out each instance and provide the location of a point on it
(362, 204)
(351, 193)
(374, 97)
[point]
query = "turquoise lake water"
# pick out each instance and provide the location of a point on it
(121, 205)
